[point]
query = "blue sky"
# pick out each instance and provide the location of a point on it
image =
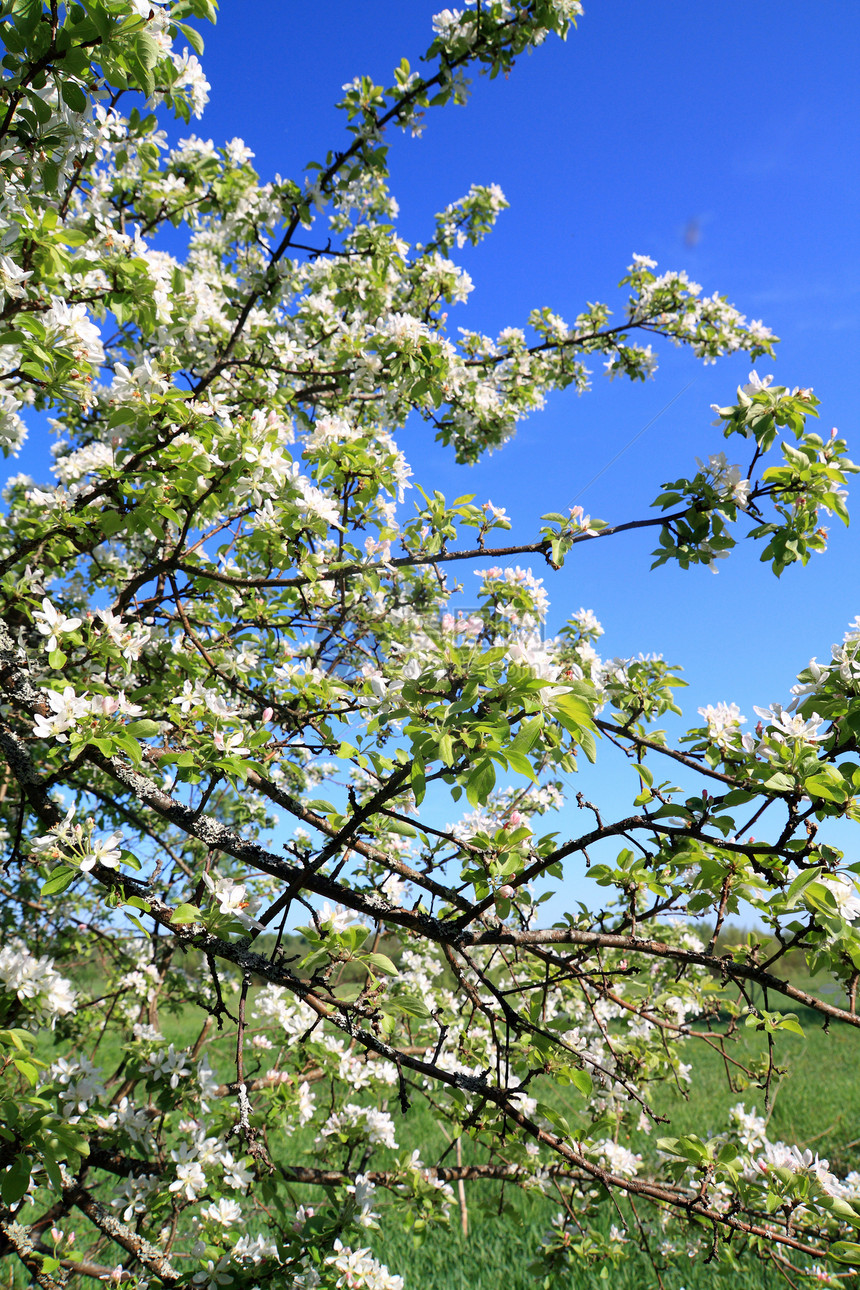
(738, 121)
(718, 139)
(721, 140)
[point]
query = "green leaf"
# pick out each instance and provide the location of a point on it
(193, 37)
(829, 784)
(99, 17)
(27, 1069)
(526, 736)
(19, 1039)
(40, 107)
(575, 708)
(821, 898)
(132, 918)
(727, 1153)
(521, 765)
(556, 1119)
(319, 959)
(840, 1209)
(418, 781)
(27, 14)
(481, 782)
(381, 961)
(581, 1079)
(796, 889)
(779, 782)
(60, 879)
(688, 1148)
(130, 745)
(15, 1180)
(147, 50)
(144, 729)
(74, 96)
(409, 1004)
(110, 523)
(398, 826)
(52, 1170)
(789, 1022)
(185, 914)
(737, 797)
(845, 1252)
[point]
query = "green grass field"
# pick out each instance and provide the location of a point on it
(815, 1103)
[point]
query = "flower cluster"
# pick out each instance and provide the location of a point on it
(243, 689)
(34, 982)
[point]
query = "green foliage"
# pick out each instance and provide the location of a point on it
(220, 610)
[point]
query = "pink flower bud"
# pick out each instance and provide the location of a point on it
(268, 713)
(506, 891)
